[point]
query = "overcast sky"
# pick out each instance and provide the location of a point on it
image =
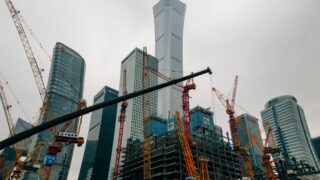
(273, 45)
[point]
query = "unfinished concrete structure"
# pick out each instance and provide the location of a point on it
(167, 156)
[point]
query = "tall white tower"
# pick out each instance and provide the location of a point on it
(169, 20)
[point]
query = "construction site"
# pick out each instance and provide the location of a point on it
(187, 144)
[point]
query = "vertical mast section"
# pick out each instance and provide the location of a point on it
(146, 109)
(122, 119)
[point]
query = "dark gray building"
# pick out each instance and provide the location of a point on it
(97, 155)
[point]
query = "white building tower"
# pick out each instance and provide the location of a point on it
(169, 20)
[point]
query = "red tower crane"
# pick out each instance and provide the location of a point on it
(121, 120)
(190, 85)
(233, 126)
(268, 151)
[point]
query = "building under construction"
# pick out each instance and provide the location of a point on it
(167, 156)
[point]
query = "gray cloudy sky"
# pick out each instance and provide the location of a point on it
(272, 45)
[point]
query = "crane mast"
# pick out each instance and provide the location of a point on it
(146, 111)
(186, 106)
(122, 119)
(27, 48)
(186, 150)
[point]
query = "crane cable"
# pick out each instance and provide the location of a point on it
(34, 37)
(15, 97)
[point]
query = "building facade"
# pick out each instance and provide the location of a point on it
(65, 89)
(169, 22)
(287, 120)
(97, 154)
(250, 137)
(316, 145)
(133, 126)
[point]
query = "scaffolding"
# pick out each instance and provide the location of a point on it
(168, 162)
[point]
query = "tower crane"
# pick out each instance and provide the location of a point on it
(28, 50)
(268, 150)
(146, 111)
(18, 151)
(190, 85)
(21, 164)
(191, 169)
(186, 150)
(233, 126)
(60, 139)
(121, 120)
(204, 172)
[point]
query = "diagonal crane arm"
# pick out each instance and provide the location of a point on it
(27, 48)
(7, 112)
(223, 99)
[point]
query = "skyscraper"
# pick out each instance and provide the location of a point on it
(316, 145)
(250, 137)
(65, 89)
(133, 126)
(287, 120)
(97, 155)
(169, 21)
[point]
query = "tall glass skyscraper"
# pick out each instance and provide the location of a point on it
(287, 120)
(65, 89)
(133, 126)
(316, 145)
(97, 155)
(250, 136)
(169, 21)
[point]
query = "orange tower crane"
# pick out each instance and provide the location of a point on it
(186, 150)
(146, 111)
(268, 151)
(233, 126)
(121, 120)
(204, 172)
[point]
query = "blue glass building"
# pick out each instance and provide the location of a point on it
(65, 89)
(290, 129)
(250, 138)
(97, 154)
